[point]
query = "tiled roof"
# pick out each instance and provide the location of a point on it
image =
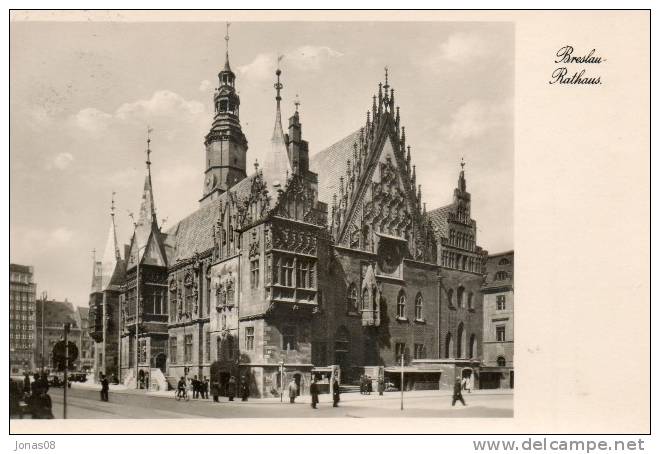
(330, 164)
(438, 219)
(194, 233)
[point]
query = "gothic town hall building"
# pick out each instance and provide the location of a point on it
(296, 265)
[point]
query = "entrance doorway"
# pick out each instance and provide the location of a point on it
(161, 362)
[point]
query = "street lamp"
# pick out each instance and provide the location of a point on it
(44, 295)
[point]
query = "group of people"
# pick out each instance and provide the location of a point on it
(30, 397)
(314, 392)
(201, 388)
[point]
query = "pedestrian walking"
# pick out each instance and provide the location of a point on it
(245, 389)
(457, 393)
(41, 406)
(381, 386)
(215, 391)
(195, 387)
(369, 385)
(231, 388)
(293, 391)
(205, 388)
(104, 388)
(36, 383)
(468, 384)
(464, 383)
(314, 391)
(26, 384)
(335, 393)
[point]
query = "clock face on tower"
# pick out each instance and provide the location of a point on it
(389, 256)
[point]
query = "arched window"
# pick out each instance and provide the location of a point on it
(464, 264)
(460, 342)
(365, 300)
(401, 305)
(470, 302)
(459, 296)
(449, 346)
(419, 307)
(504, 261)
(501, 276)
(352, 299)
(450, 297)
(473, 346)
(501, 361)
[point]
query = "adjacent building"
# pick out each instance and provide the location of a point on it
(51, 316)
(22, 292)
(84, 341)
(497, 370)
(108, 279)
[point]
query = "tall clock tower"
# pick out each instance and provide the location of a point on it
(226, 145)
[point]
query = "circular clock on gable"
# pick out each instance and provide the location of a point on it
(389, 256)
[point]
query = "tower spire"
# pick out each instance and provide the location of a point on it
(227, 68)
(277, 166)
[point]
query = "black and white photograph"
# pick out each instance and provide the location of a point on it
(255, 217)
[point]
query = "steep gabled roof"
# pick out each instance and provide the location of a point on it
(330, 165)
(194, 233)
(438, 218)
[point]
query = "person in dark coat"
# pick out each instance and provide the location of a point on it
(41, 407)
(205, 388)
(36, 382)
(105, 387)
(245, 389)
(195, 387)
(314, 392)
(231, 388)
(335, 393)
(457, 393)
(26, 384)
(215, 391)
(293, 391)
(381, 386)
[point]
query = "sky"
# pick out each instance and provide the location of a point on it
(83, 93)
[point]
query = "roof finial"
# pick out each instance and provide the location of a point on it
(278, 85)
(387, 85)
(112, 205)
(462, 163)
(297, 102)
(149, 130)
(227, 42)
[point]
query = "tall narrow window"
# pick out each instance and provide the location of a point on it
(289, 337)
(419, 306)
(254, 273)
(420, 352)
(470, 302)
(399, 350)
(249, 337)
(501, 302)
(288, 272)
(450, 297)
(500, 333)
(207, 346)
(460, 302)
(188, 348)
(351, 299)
(301, 274)
(208, 294)
(401, 305)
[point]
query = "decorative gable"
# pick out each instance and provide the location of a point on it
(377, 196)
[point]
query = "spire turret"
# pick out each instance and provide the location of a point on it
(226, 145)
(277, 167)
